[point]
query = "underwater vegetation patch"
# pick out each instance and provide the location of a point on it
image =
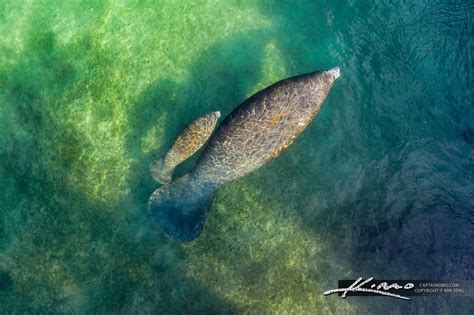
(254, 254)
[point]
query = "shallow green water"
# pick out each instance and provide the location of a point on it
(381, 184)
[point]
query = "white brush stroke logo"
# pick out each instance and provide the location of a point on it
(357, 286)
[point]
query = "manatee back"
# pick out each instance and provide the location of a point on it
(262, 127)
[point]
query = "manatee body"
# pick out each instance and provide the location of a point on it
(254, 133)
(188, 142)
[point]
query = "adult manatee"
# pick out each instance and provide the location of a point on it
(254, 133)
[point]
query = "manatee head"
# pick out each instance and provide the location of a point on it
(334, 72)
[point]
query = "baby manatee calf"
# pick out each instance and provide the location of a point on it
(189, 141)
(254, 133)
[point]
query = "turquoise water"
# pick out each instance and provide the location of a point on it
(381, 184)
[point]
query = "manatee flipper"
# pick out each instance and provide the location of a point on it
(188, 142)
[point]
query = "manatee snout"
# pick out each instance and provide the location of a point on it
(335, 72)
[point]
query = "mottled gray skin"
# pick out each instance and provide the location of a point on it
(254, 133)
(188, 142)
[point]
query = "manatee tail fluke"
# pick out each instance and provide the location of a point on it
(161, 172)
(180, 209)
